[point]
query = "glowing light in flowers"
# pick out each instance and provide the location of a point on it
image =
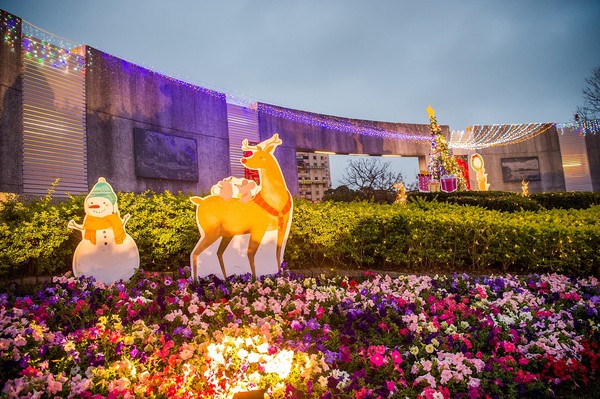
(281, 363)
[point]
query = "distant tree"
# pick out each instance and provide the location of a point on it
(342, 194)
(591, 97)
(373, 178)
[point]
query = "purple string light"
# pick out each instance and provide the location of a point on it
(335, 123)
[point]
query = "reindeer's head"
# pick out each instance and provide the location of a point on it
(262, 153)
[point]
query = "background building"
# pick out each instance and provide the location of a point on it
(313, 175)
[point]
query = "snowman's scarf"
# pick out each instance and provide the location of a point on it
(93, 223)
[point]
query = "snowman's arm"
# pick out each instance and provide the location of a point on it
(75, 226)
(125, 219)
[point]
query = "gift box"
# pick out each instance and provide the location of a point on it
(448, 183)
(423, 182)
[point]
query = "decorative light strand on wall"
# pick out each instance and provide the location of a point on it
(580, 127)
(130, 66)
(46, 48)
(483, 136)
(9, 30)
(336, 123)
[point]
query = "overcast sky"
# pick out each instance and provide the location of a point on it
(475, 62)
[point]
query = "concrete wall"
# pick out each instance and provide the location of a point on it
(11, 111)
(122, 96)
(545, 146)
(298, 136)
(592, 142)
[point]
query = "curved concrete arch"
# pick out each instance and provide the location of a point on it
(306, 131)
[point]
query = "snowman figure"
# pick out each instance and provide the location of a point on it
(106, 251)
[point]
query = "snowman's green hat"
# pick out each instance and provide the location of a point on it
(104, 190)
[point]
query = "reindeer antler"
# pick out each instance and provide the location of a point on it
(247, 147)
(273, 141)
(269, 144)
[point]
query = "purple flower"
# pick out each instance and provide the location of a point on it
(295, 324)
(97, 360)
(119, 348)
(134, 352)
(313, 324)
(331, 357)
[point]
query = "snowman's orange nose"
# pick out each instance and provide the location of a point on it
(94, 206)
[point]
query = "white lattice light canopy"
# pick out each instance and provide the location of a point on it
(483, 136)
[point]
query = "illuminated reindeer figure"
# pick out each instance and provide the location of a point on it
(270, 209)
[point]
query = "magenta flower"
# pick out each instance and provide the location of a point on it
(396, 357)
(377, 359)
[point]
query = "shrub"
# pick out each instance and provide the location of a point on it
(422, 235)
(513, 202)
(570, 200)
(430, 236)
(35, 240)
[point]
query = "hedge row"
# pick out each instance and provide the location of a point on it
(514, 202)
(440, 236)
(419, 236)
(35, 240)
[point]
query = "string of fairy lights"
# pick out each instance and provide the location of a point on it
(9, 29)
(580, 127)
(47, 48)
(338, 124)
(44, 48)
(483, 136)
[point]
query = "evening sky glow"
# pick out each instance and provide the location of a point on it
(475, 62)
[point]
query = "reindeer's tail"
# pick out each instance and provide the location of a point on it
(196, 200)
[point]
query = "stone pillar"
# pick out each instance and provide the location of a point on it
(592, 142)
(11, 111)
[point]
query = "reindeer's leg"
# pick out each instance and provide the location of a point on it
(202, 244)
(222, 247)
(256, 237)
(281, 233)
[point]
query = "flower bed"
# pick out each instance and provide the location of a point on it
(377, 336)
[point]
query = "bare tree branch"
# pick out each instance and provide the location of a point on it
(591, 97)
(370, 174)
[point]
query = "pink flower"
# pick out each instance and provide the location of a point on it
(523, 361)
(363, 393)
(508, 346)
(53, 385)
(397, 357)
(445, 376)
(29, 371)
(390, 386)
(426, 365)
(377, 359)
(320, 312)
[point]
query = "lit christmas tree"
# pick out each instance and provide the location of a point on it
(441, 161)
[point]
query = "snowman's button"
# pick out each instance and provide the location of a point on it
(105, 243)
(104, 231)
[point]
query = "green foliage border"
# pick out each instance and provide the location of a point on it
(497, 232)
